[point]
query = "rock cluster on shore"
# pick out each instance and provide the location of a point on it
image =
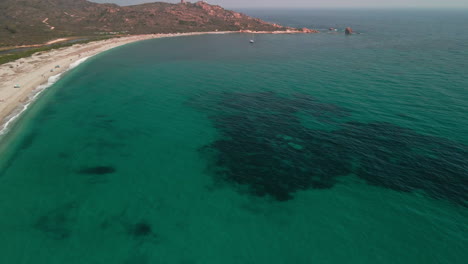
(307, 30)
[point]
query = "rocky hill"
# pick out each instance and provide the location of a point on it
(37, 21)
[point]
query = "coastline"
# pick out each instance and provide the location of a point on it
(36, 73)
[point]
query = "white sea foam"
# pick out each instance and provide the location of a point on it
(78, 62)
(33, 96)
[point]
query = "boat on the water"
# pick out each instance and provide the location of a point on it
(252, 40)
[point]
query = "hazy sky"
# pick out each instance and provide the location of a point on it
(315, 3)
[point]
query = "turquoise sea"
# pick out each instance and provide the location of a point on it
(320, 148)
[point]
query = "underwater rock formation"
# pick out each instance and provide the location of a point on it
(141, 229)
(264, 147)
(57, 223)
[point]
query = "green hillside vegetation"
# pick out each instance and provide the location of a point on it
(9, 57)
(25, 22)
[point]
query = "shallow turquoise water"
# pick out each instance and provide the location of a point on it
(298, 149)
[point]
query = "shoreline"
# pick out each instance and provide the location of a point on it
(38, 72)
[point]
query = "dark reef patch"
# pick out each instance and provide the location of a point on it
(98, 170)
(47, 113)
(28, 140)
(57, 223)
(142, 232)
(140, 229)
(403, 160)
(125, 223)
(264, 147)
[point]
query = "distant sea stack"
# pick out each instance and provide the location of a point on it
(348, 31)
(38, 21)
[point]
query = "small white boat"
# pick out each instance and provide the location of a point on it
(252, 40)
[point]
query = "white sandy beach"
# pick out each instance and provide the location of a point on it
(32, 72)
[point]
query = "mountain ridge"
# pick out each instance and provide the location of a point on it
(36, 21)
